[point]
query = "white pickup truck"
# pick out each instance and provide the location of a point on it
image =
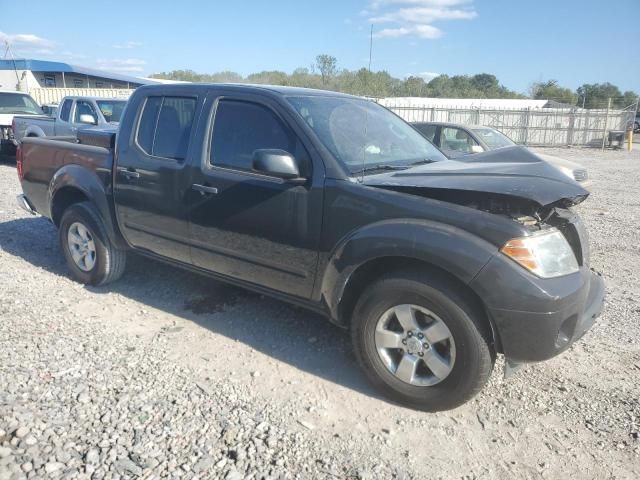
(11, 104)
(73, 113)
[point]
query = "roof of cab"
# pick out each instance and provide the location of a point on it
(277, 89)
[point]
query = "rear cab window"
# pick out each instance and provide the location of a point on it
(165, 125)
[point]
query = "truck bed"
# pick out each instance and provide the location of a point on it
(22, 122)
(44, 160)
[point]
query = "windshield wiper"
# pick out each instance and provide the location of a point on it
(424, 161)
(384, 167)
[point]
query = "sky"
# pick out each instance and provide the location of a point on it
(519, 41)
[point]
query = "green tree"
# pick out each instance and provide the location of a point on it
(324, 74)
(550, 90)
(273, 77)
(327, 66)
(597, 95)
(629, 98)
(484, 82)
(412, 87)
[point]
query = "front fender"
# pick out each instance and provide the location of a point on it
(86, 181)
(451, 249)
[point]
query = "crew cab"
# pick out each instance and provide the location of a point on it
(334, 203)
(13, 103)
(73, 113)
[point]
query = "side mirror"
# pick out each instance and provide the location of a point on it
(89, 119)
(276, 163)
(476, 149)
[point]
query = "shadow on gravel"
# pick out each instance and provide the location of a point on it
(287, 333)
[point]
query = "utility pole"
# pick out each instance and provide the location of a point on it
(370, 46)
(7, 52)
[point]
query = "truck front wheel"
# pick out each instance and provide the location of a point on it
(421, 342)
(90, 255)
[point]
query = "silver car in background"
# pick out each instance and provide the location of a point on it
(457, 140)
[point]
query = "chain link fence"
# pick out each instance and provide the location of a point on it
(528, 126)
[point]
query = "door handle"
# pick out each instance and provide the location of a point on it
(203, 189)
(128, 173)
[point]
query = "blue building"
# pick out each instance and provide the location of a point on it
(27, 74)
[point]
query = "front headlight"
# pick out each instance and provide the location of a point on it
(546, 253)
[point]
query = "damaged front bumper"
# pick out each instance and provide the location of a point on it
(536, 319)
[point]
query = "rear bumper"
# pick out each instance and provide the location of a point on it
(24, 203)
(537, 319)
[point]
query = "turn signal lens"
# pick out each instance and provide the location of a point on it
(546, 254)
(518, 250)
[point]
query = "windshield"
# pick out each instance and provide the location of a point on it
(363, 135)
(111, 109)
(493, 138)
(18, 103)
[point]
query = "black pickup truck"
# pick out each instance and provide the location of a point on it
(334, 203)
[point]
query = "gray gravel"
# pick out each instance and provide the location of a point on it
(166, 374)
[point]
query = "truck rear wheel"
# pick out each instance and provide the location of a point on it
(90, 255)
(421, 342)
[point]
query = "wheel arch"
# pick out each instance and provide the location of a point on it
(74, 183)
(34, 131)
(379, 249)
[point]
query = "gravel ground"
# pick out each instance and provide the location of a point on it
(166, 374)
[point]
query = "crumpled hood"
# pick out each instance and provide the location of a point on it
(513, 171)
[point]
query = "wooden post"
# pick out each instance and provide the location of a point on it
(606, 120)
(572, 124)
(526, 126)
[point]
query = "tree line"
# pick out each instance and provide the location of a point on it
(325, 74)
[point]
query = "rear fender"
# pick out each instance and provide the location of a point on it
(88, 183)
(34, 131)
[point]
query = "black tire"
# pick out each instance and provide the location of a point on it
(474, 356)
(110, 261)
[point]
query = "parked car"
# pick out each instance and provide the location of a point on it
(457, 140)
(13, 103)
(332, 202)
(74, 112)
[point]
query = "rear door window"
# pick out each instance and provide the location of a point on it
(165, 126)
(65, 112)
(240, 128)
(429, 131)
(456, 140)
